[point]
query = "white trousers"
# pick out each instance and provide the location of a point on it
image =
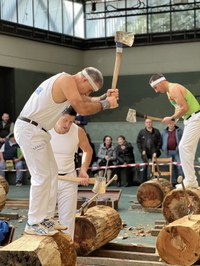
(188, 146)
(37, 151)
(67, 203)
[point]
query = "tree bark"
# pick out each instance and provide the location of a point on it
(39, 251)
(98, 226)
(150, 194)
(4, 183)
(2, 197)
(175, 205)
(178, 242)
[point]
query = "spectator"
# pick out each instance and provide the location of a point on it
(124, 155)
(171, 137)
(10, 152)
(106, 156)
(149, 142)
(6, 128)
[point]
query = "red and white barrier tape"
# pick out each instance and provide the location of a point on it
(93, 168)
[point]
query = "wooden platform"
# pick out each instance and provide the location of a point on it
(123, 254)
(110, 198)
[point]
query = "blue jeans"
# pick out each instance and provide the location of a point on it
(176, 169)
(18, 166)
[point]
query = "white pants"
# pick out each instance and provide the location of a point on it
(67, 203)
(188, 146)
(36, 148)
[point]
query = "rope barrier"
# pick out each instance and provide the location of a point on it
(94, 168)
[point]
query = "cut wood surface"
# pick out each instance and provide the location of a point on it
(98, 226)
(4, 183)
(175, 205)
(29, 250)
(150, 194)
(2, 197)
(178, 242)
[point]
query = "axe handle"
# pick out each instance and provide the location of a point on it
(118, 60)
(148, 116)
(75, 179)
(86, 204)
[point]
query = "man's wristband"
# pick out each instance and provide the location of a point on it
(103, 97)
(105, 104)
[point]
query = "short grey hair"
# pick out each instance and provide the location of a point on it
(95, 75)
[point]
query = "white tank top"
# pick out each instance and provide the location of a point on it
(41, 107)
(64, 147)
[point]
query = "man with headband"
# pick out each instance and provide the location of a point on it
(39, 115)
(187, 107)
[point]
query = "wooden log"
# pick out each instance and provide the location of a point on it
(178, 242)
(31, 250)
(4, 183)
(98, 226)
(150, 194)
(2, 197)
(175, 205)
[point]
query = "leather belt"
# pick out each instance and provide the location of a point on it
(30, 121)
(62, 174)
(192, 114)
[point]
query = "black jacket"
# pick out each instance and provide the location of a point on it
(151, 142)
(125, 155)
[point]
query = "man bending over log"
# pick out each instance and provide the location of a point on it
(66, 138)
(187, 107)
(39, 115)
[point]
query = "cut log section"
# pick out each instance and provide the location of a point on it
(178, 242)
(4, 183)
(175, 205)
(2, 197)
(150, 194)
(98, 226)
(40, 250)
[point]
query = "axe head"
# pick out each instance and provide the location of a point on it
(100, 185)
(126, 38)
(131, 116)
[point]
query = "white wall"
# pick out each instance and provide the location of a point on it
(169, 58)
(37, 56)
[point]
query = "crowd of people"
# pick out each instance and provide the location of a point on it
(51, 128)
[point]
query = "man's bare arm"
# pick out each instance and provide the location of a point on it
(65, 88)
(87, 150)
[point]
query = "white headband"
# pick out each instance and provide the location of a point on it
(85, 74)
(155, 82)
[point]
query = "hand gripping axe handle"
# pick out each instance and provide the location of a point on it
(121, 38)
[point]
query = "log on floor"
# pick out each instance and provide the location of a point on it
(178, 242)
(175, 205)
(98, 226)
(150, 194)
(28, 250)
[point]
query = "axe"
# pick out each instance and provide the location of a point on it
(132, 114)
(121, 38)
(99, 182)
(189, 204)
(86, 204)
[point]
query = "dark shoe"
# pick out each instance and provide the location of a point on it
(18, 184)
(118, 184)
(127, 185)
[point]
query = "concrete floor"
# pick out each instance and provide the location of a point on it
(139, 221)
